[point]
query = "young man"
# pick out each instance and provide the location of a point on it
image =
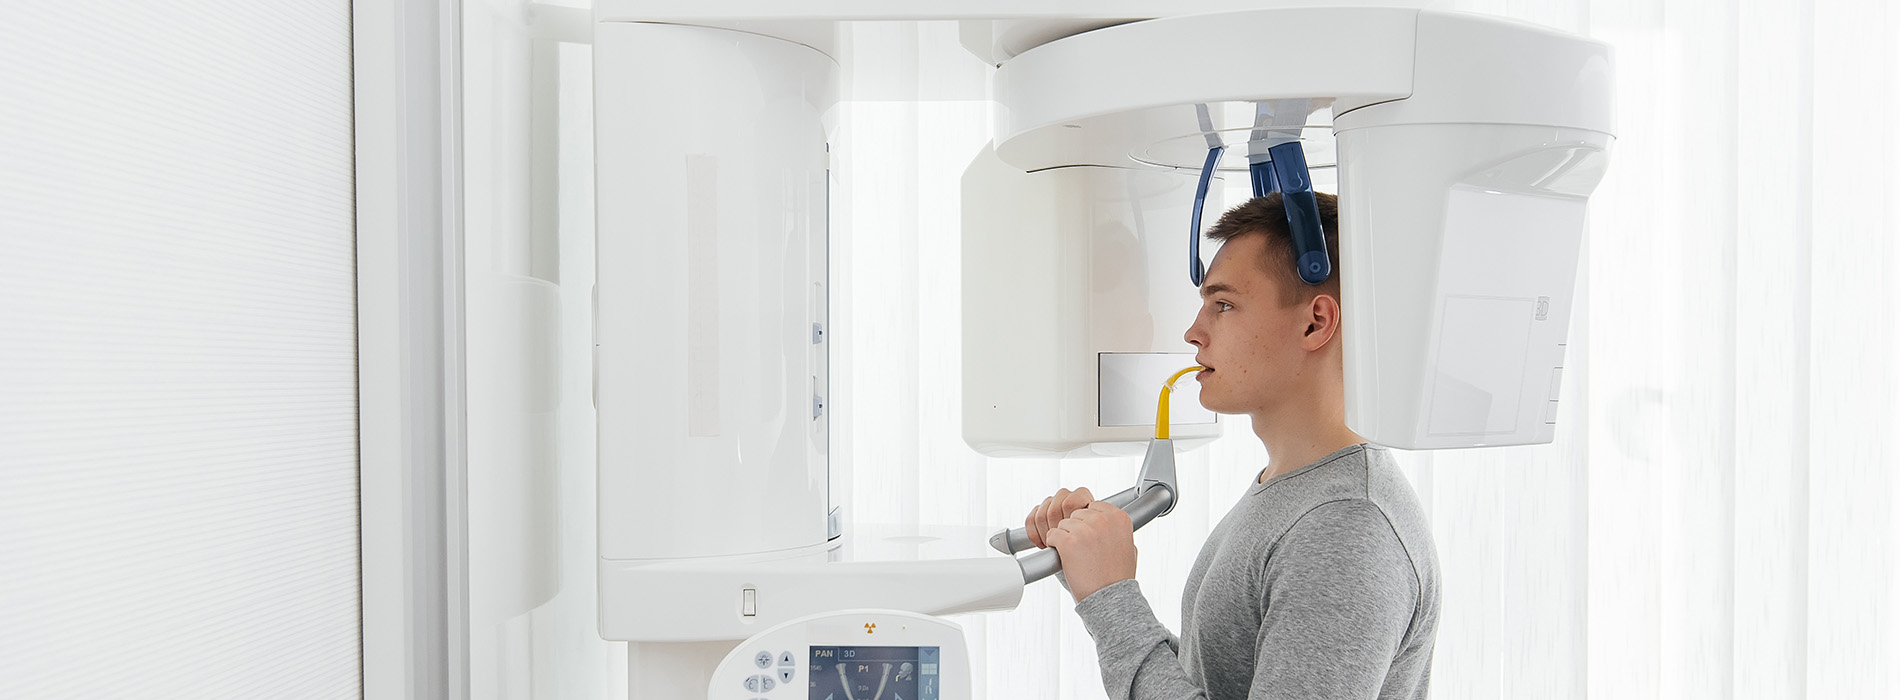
(1322, 582)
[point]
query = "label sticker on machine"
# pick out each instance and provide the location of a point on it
(873, 673)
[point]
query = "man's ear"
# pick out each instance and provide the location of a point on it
(1322, 322)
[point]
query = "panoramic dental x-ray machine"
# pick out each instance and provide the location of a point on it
(1465, 148)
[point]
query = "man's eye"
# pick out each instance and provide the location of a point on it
(1222, 306)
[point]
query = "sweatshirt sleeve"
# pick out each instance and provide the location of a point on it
(1337, 597)
(1139, 657)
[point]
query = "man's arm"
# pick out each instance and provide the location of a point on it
(1140, 658)
(1339, 597)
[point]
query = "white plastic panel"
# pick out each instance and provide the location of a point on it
(513, 393)
(1550, 79)
(1060, 266)
(711, 237)
(1476, 381)
(1458, 251)
(936, 569)
(705, 599)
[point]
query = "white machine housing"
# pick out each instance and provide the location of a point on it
(1075, 300)
(711, 353)
(712, 349)
(1466, 148)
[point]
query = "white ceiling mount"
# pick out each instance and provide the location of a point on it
(993, 30)
(1100, 97)
(1133, 94)
(1081, 11)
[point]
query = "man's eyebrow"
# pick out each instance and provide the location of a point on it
(1216, 288)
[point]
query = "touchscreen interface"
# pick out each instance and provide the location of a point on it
(873, 673)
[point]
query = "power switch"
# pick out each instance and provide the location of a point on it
(749, 602)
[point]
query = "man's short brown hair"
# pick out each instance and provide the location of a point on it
(1267, 216)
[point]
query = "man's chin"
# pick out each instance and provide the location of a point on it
(1213, 403)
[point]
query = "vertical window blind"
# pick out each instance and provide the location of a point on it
(178, 467)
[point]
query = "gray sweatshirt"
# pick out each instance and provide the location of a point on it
(1321, 583)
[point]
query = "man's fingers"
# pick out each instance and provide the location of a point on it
(1054, 512)
(1097, 514)
(1059, 539)
(1077, 500)
(1084, 524)
(1044, 519)
(1099, 508)
(1032, 525)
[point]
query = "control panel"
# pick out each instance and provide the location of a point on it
(849, 655)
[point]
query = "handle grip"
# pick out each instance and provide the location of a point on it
(1144, 509)
(1016, 540)
(1151, 497)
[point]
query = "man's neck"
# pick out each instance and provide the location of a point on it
(1294, 441)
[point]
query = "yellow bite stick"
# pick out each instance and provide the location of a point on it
(1161, 410)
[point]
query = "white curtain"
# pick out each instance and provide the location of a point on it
(178, 414)
(1713, 519)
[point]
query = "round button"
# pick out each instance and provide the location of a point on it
(763, 659)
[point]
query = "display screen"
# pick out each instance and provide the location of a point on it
(873, 673)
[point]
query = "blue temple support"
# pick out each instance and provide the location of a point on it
(1264, 183)
(1197, 272)
(1302, 212)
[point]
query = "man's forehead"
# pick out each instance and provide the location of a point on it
(1225, 284)
(1228, 275)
